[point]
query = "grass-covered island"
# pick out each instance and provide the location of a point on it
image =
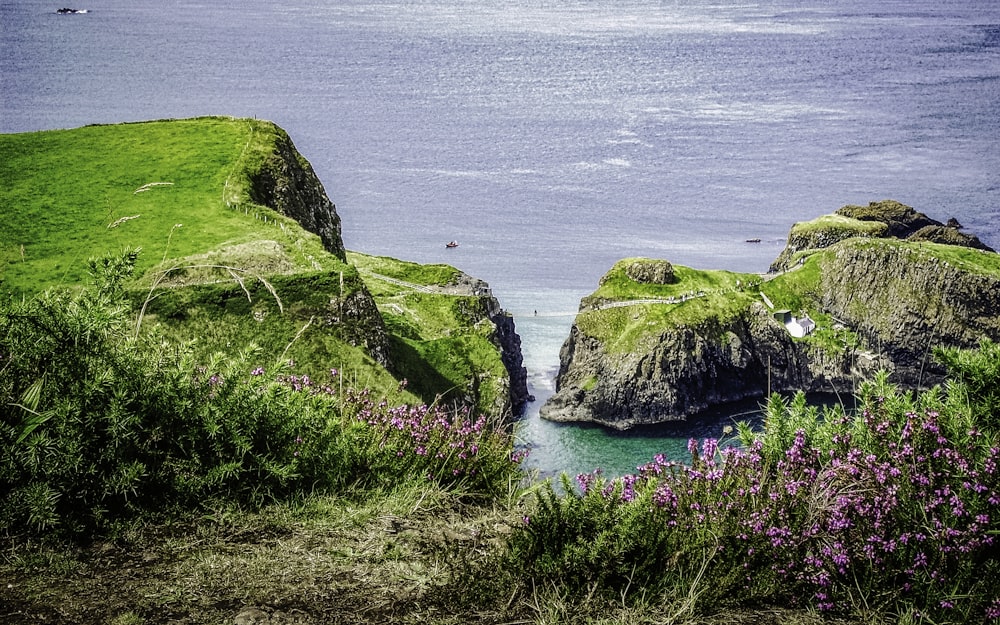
(162, 461)
(863, 290)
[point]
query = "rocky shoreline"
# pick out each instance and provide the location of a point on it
(881, 298)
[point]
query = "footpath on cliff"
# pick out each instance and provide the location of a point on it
(867, 288)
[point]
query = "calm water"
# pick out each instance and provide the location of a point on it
(553, 138)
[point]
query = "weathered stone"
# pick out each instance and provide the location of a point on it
(287, 183)
(898, 299)
(651, 271)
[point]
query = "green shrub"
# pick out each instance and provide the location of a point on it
(890, 510)
(101, 424)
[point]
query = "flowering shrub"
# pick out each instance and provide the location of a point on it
(893, 509)
(99, 425)
(388, 443)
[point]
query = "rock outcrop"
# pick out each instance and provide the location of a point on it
(646, 271)
(903, 300)
(508, 341)
(286, 182)
(504, 337)
(879, 303)
(884, 219)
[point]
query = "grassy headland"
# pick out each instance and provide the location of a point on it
(175, 188)
(217, 268)
(625, 314)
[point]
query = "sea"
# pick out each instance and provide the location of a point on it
(551, 138)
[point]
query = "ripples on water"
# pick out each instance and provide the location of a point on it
(553, 139)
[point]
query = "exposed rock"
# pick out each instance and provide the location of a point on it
(649, 271)
(948, 235)
(693, 368)
(505, 337)
(252, 616)
(259, 616)
(885, 304)
(287, 183)
(360, 323)
(904, 301)
(901, 220)
(884, 219)
(509, 343)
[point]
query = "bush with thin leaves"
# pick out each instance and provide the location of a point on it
(890, 510)
(100, 426)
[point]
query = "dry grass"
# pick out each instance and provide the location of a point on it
(394, 558)
(331, 559)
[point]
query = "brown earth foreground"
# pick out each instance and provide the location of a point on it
(405, 558)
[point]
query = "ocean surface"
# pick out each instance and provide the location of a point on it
(552, 138)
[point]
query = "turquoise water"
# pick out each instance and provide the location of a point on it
(559, 447)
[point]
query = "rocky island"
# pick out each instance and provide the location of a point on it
(864, 289)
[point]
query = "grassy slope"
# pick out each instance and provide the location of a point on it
(436, 340)
(625, 329)
(369, 558)
(63, 192)
(66, 187)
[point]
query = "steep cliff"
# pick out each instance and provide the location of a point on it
(285, 181)
(645, 353)
(508, 341)
(449, 337)
(904, 299)
(481, 311)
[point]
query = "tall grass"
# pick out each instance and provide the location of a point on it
(100, 426)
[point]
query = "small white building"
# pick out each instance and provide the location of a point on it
(796, 326)
(800, 326)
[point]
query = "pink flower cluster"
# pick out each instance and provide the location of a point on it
(883, 503)
(442, 444)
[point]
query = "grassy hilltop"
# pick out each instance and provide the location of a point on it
(175, 188)
(188, 193)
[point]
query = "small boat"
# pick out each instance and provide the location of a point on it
(753, 240)
(451, 244)
(66, 11)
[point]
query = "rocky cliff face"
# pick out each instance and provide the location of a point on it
(509, 343)
(504, 336)
(903, 300)
(287, 183)
(694, 367)
(690, 368)
(881, 304)
(359, 322)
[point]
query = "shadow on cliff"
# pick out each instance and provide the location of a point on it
(422, 378)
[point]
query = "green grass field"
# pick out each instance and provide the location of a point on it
(72, 194)
(179, 191)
